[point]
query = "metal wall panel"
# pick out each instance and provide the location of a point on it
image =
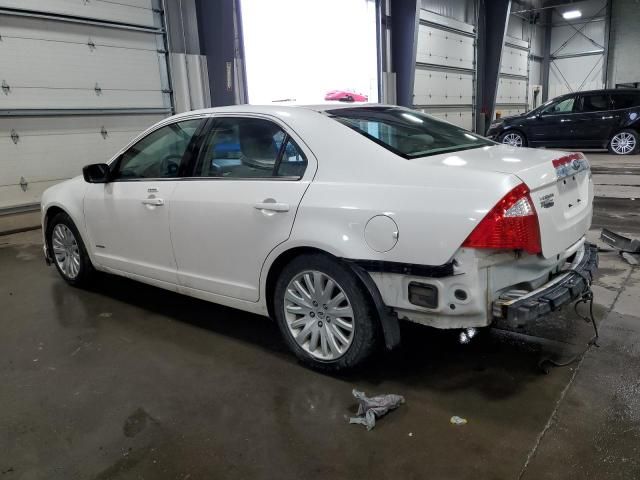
(133, 12)
(433, 87)
(514, 61)
(624, 64)
(74, 92)
(512, 91)
(46, 150)
(513, 79)
(442, 47)
(575, 74)
(445, 69)
(461, 10)
(460, 118)
(562, 34)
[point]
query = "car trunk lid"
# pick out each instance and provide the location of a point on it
(559, 183)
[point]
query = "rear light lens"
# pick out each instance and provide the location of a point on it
(512, 224)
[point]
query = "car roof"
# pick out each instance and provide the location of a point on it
(602, 90)
(281, 110)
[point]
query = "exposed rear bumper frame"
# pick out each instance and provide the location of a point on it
(563, 289)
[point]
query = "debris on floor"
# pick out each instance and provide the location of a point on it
(628, 248)
(631, 258)
(371, 408)
(456, 420)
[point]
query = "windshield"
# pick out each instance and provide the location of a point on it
(408, 133)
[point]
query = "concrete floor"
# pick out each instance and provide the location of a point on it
(129, 381)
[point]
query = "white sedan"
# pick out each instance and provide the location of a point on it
(336, 221)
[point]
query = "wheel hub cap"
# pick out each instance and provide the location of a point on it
(512, 139)
(623, 143)
(319, 315)
(66, 251)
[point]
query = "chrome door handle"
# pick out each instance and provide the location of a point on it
(158, 202)
(272, 206)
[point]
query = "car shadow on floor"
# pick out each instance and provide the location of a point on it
(497, 363)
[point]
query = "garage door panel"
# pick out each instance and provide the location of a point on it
(442, 47)
(511, 90)
(52, 148)
(14, 195)
(459, 117)
(514, 61)
(39, 29)
(434, 87)
(68, 65)
(132, 12)
(62, 98)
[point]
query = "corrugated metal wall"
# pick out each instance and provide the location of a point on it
(577, 46)
(624, 56)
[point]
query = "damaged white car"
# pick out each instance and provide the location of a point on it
(336, 221)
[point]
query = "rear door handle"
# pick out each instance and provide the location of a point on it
(158, 202)
(272, 206)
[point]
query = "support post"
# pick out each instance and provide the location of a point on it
(493, 16)
(546, 60)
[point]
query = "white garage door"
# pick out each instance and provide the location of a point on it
(445, 69)
(74, 90)
(513, 81)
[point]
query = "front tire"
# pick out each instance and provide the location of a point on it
(625, 142)
(68, 251)
(324, 314)
(513, 138)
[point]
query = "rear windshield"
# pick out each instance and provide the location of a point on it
(408, 133)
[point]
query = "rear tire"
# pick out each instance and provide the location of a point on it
(68, 252)
(624, 142)
(324, 314)
(513, 138)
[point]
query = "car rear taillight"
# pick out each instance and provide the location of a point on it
(512, 224)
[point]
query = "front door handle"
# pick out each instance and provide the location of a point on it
(158, 202)
(272, 206)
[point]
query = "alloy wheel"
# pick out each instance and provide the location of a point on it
(513, 139)
(623, 143)
(66, 250)
(319, 315)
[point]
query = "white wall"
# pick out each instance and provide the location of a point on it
(624, 53)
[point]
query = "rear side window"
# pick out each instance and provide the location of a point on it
(249, 148)
(595, 103)
(407, 133)
(625, 100)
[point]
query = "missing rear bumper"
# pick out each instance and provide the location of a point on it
(519, 307)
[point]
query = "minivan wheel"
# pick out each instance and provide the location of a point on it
(68, 251)
(326, 317)
(624, 142)
(513, 138)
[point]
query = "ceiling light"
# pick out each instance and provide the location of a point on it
(570, 14)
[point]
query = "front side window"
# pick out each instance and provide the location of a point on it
(408, 133)
(249, 148)
(563, 106)
(159, 154)
(595, 103)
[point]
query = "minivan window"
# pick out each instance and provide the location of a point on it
(563, 106)
(625, 100)
(595, 103)
(407, 133)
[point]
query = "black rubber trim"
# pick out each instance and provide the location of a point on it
(388, 320)
(558, 295)
(412, 269)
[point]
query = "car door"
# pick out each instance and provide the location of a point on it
(127, 218)
(554, 125)
(595, 119)
(239, 204)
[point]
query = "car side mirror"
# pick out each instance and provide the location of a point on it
(96, 173)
